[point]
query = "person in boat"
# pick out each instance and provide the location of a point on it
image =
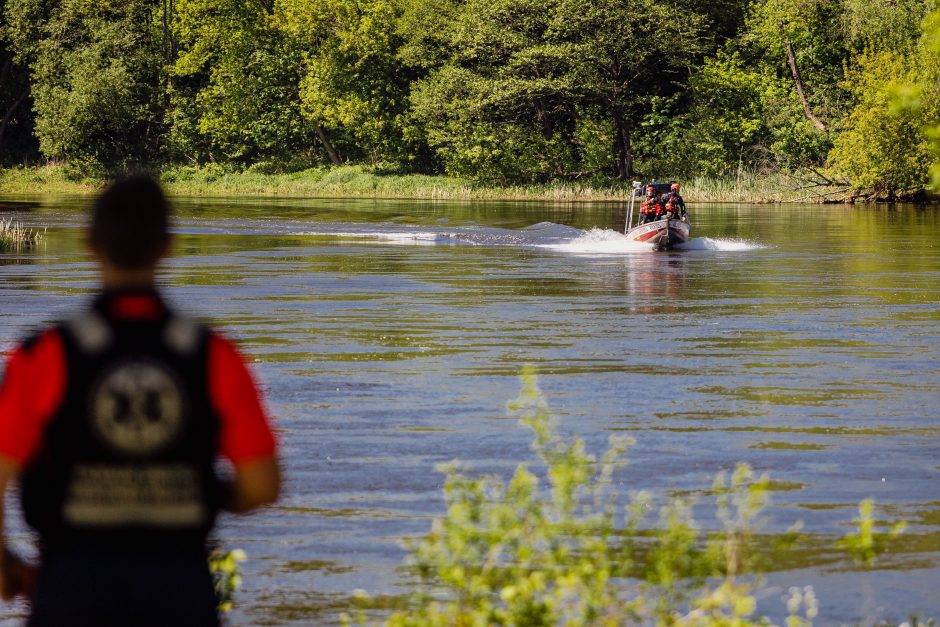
(674, 205)
(652, 207)
(113, 422)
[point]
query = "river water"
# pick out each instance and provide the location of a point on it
(388, 335)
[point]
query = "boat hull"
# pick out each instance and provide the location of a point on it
(662, 234)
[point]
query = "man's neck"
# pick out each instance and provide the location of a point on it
(123, 279)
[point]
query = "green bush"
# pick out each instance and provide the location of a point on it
(225, 569)
(921, 98)
(568, 553)
(881, 149)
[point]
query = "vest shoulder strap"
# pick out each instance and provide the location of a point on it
(90, 332)
(183, 335)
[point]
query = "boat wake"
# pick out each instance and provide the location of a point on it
(727, 245)
(544, 235)
(608, 242)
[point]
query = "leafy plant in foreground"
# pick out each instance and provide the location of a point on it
(226, 574)
(568, 553)
(866, 543)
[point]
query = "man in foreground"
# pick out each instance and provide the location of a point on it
(113, 421)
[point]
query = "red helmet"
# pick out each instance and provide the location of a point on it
(650, 189)
(674, 187)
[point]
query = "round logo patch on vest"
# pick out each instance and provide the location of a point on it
(137, 407)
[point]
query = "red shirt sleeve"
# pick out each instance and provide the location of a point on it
(245, 433)
(32, 388)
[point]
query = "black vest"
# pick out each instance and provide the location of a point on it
(128, 458)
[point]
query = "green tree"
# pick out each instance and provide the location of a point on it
(496, 101)
(524, 89)
(97, 83)
(883, 24)
(921, 98)
(804, 49)
(881, 149)
(353, 86)
(15, 110)
(798, 49)
(235, 94)
(803, 41)
(728, 117)
(621, 54)
(930, 89)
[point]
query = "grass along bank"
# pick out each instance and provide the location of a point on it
(371, 182)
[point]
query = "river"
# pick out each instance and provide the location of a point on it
(804, 340)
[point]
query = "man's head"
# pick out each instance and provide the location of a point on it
(650, 190)
(130, 224)
(674, 187)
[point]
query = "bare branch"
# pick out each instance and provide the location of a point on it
(820, 197)
(794, 70)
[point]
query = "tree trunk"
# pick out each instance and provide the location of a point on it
(10, 111)
(327, 145)
(794, 70)
(622, 151)
(545, 121)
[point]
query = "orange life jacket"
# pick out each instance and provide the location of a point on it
(651, 206)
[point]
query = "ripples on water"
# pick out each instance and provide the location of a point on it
(388, 336)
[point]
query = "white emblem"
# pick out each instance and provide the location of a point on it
(137, 407)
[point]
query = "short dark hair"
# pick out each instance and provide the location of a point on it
(130, 222)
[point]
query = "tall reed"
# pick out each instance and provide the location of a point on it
(14, 236)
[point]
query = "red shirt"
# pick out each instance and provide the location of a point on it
(35, 380)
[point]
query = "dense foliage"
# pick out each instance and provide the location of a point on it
(509, 91)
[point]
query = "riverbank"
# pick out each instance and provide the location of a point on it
(364, 181)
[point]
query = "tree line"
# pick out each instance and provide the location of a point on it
(496, 90)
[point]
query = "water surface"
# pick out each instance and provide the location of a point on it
(389, 334)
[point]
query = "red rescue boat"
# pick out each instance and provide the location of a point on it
(666, 231)
(662, 234)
